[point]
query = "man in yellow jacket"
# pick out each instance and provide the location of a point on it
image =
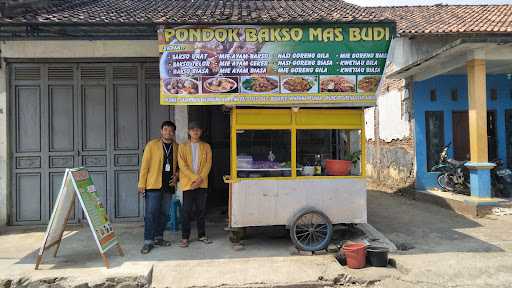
(157, 182)
(195, 162)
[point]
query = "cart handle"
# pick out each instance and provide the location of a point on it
(227, 179)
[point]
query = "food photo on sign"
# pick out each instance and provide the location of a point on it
(260, 84)
(368, 83)
(220, 85)
(330, 83)
(299, 84)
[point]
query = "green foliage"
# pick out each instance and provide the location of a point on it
(353, 157)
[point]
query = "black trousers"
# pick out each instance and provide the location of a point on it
(191, 198)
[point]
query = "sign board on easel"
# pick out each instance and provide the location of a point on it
(78, 183)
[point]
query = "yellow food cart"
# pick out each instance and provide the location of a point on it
(271, 181)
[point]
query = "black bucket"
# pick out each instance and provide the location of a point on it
(377, 256)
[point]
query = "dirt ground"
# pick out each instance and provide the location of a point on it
(443, 249)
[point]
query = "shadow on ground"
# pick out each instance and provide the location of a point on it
(416, 227)
(423, 228)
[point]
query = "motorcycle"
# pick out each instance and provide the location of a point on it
(453, 176)
(501, 178)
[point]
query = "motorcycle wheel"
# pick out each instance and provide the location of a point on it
(506, 191)
(445, 182)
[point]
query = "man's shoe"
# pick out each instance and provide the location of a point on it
(146, 248)
(205, 240)
(184, 243)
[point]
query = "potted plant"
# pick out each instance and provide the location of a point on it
(342, 167)
(353, 157)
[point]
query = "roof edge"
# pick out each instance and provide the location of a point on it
(436, 53)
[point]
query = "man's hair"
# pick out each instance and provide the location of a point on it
(168, 123)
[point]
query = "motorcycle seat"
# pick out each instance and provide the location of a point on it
(456, 162)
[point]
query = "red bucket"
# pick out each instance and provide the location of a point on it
(355, 254)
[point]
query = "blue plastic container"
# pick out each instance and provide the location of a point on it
(174, 223)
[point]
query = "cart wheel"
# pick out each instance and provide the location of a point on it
(311, 231)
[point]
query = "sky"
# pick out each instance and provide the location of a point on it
(423, 2)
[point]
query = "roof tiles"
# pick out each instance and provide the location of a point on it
(447, 19)
(435, 19)
(193, 11)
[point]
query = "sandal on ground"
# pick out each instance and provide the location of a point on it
(146, 248)
(184, 243)
(162, 242)
(205, 240)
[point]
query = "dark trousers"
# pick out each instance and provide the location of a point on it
(191, 198)
(156, 214)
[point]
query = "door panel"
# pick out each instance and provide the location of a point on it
(94, 123)
(492, 136)
(125, 131)
(28, 197)
(460, 124)
(126, 117)
(508, 133)
(460, 129)
(94, 117)
(62, 145)
(127, 203)
(61, 106)
(67, 115)
(28, 112)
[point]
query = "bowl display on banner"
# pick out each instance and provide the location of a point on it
(368, 83)
(260, 84)
(333, 83)
(220, 84)
(181, 85)
(299, 84)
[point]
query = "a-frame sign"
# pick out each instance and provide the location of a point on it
(78, 183)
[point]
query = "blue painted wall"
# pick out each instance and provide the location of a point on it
(444, 85)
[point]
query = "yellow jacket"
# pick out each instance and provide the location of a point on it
(187, 174)
(150, 176)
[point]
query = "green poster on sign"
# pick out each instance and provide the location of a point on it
(95, 211)
(273, 64)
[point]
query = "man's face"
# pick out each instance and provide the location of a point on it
(195, 133)
(167, 133)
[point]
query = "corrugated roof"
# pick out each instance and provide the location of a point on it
(193, 11)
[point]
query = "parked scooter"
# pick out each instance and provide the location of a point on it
(454, 176)
(501, 178)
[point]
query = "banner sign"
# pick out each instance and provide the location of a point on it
(249, 64)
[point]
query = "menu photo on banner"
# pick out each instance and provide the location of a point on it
(250, 64)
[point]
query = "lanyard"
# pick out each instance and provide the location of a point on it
(167, 153)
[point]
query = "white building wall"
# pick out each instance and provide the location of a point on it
(392, 101)
(369, 123)
(389, 126)
(393, 121)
